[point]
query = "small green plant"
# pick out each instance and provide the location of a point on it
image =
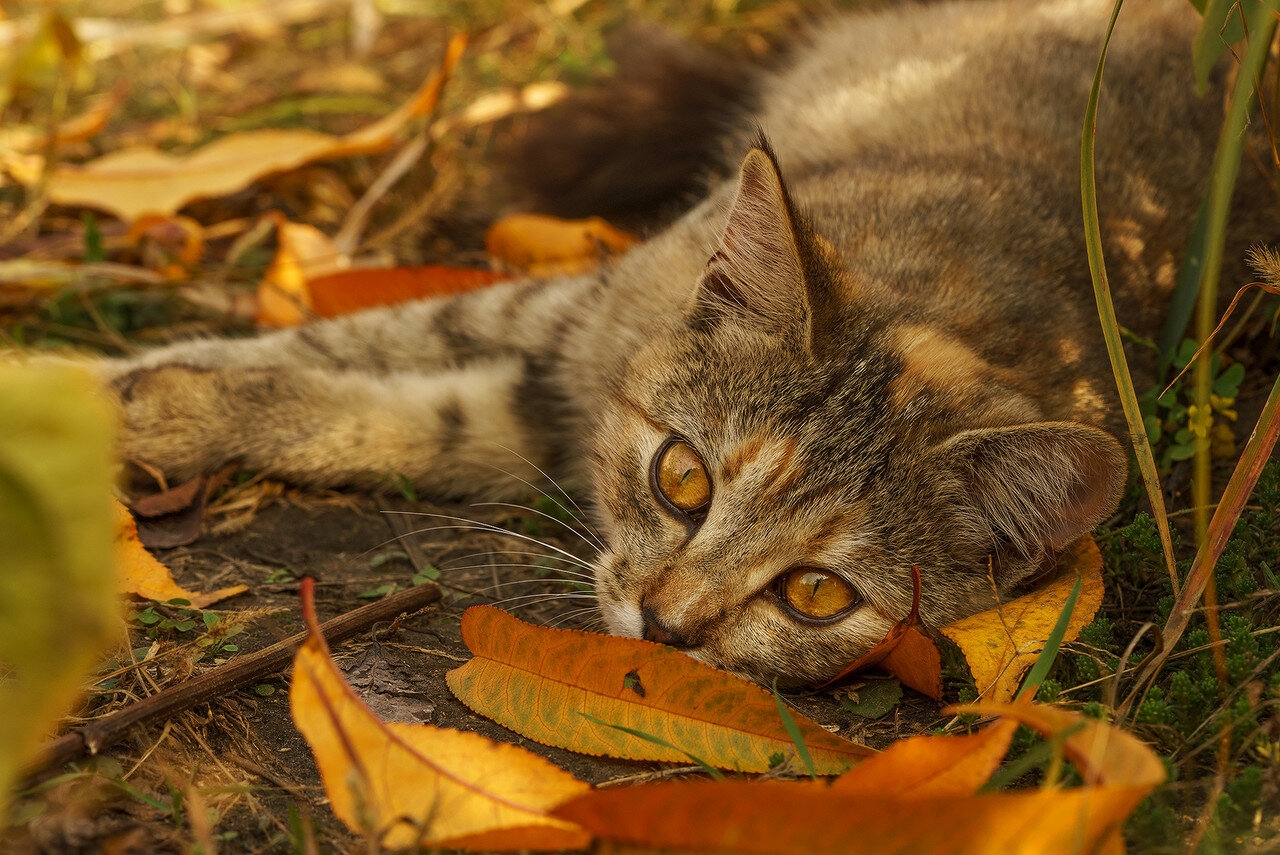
(178, 616)
(1174, 422)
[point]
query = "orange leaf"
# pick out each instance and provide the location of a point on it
(416, 785)
(142, 180)
(546, 246)
(540, 682)
(138, 572)
(896, 808)
(1001, 643)
(906, 652)
(351, 290)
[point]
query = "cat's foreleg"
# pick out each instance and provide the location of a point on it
(465, 432)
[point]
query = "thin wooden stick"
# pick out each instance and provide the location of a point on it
(268, 662)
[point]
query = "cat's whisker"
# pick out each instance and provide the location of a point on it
(542, 557)
(592, 541)
(573, 614)
(580, 517)
(472, 525)
(531, 580)
(527, 600)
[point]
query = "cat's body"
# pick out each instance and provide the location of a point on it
(893, 361)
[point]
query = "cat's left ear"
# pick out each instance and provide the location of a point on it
(1038, 486)
(763, 270)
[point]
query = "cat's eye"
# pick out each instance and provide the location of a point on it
(680, 477)
(815, 594)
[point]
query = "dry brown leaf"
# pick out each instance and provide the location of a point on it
(1001, 643)
(139, 573)
(906, 652)
(417, 785)
(142, 180)
(547, 246)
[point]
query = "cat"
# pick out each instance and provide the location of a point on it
(872, 347)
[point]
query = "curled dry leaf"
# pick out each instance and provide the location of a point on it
(542, 683)
(139, 573)
(906, 652)
(546, 246)
(418, 785)
(1002, 643)
(142, 180)
(920, 795)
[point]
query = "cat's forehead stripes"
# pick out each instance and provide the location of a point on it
(766, 467)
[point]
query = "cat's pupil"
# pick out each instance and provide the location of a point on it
(817, 593)
(681, 477)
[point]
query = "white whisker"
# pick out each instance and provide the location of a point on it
(472, 525)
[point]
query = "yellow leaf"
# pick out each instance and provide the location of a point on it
(540, 682)
(303, 253)
(139, 573)
(143, 180)
(1001, 643)
(546, 246)
(417, 785)
(58, 610)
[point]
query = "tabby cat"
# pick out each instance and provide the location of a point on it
(875, 348)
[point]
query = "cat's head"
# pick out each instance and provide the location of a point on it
(777, 458)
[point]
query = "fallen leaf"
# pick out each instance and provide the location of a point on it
(542, 683)
(138, 571)
(406, 785)
(58, 609)
(1002, 643)
(175, 517)
(302, 252)
(547, 246)
(143, 180)
(351, 290)
(901, 801)
(906, 652)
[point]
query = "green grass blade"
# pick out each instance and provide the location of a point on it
(797, 739)
(1182, 302)
(711, 771)
(1045, 660)
(1107, 314)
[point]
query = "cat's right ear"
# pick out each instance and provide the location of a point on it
(1037, 487)
(757, 275)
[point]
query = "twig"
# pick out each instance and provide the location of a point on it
(94, 737)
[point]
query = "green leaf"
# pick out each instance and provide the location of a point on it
(875, 699)
(1227, 384)
(1154, 431)
(58, 609)
(210, 619)
(1221, 27)
(390, 555)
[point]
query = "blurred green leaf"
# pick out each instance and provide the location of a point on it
(58, 608)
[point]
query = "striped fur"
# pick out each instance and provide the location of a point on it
(889, 360)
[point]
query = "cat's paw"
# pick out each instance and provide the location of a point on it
(176, 418)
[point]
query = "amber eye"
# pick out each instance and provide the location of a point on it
(680, 477)
(816, 593)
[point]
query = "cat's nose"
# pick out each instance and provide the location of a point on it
(654, 630)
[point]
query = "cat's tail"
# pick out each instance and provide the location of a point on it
(639, 146)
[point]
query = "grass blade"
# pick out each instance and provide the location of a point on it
(1107, 315)
(794, 732)
(711, 771)
(1050, 652)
